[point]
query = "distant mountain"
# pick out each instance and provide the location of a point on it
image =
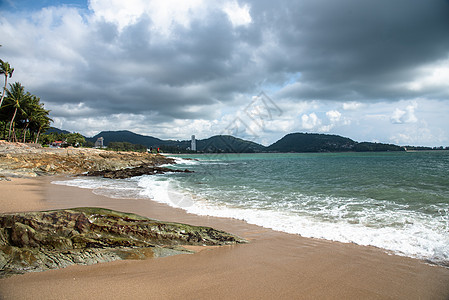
(228, 144)
(293, 142)
(313, 142)
(127, 136)
(56, 130)
(376, 147)
(219, 143)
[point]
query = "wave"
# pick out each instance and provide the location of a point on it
(183, 161)
(361, 221)
(112, 188)
(406, 233)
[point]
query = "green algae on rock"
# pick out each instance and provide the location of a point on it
(38, 241)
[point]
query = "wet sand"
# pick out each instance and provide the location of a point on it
(273, 265)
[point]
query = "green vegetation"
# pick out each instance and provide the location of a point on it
(423, 148)
(22, 115)
(377, 147)
(311, 142)
(75, 139)
(126, 136)
(173, 149)
(228, 144)
(215, 144)
(6, 70)
(126, 146)
(293, 142)
(67, 139)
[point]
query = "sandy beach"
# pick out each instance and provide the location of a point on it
(272, 265)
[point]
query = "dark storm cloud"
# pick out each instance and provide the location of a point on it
(358, 49)
(137, 71)
(335, 50)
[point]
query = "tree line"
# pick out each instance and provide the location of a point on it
(67, 139)
(22, 115)
(126, 146)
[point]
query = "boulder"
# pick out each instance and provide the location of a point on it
(137, 171)
(21, 160)
(38, 241)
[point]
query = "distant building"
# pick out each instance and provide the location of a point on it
(193, 143)
(99, 143)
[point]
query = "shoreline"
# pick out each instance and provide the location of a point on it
(274, 264)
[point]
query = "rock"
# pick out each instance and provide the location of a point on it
(137, 171)
(21, 160)
(38, 241)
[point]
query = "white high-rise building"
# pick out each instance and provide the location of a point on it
(99, 143)
(193, 143)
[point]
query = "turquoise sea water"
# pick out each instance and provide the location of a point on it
(395, 201)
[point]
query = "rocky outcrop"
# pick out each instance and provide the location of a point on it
(137, 171)
(22, 160)
(38, 241)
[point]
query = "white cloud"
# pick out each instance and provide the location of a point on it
(238, 15)
(310, 121)
(352, 105)
(122, 13)
(334, 116)
(432, 76)
(69, 109)
(420, 134)
(162, 13)
(406, 115)
(326, 128)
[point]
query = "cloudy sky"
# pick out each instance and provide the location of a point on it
(371, 70)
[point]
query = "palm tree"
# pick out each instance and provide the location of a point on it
(17, 99)
(43, 124)
(5, 69)
(39, 120)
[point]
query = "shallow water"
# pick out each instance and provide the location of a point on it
(395, 201)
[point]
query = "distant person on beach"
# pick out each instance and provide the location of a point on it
(157, 150)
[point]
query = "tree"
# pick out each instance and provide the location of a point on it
(21, 110)
(16, 99)
(24, 111)
(40, 122)
(29, 111)
(5, 69)
(36, 118)
(75, 139)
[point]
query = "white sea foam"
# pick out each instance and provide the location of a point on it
(113, 188)
(183, 161)
(209, 161)
(403, 232)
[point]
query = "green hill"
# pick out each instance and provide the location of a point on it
(376, 147)
(56, 130)
(218, 143)
(293, 142)
(228, 144)
(313, 142)
(127, 136)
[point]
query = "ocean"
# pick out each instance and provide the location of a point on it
(397, 201)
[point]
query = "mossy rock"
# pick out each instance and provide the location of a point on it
(38, 241)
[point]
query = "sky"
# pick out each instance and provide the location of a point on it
(371, 70)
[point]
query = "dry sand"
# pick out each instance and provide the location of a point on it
(273, 265)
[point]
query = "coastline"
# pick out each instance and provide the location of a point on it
(274, 264)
